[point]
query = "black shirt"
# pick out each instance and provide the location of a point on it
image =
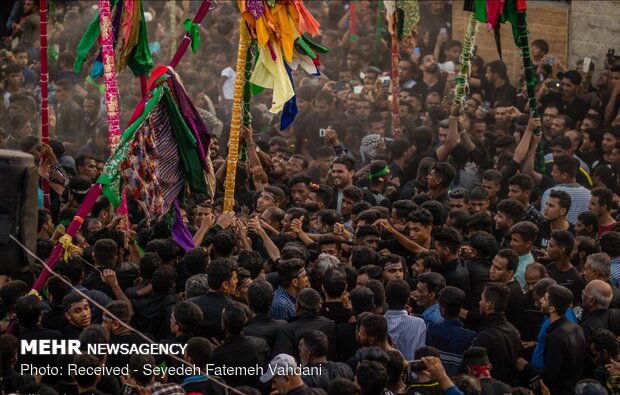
(505, 93)
(241, 351)
(211, 304)
(263, 326)
(576, 109)
(457, 275)
(544, 233)
(152, 313)
(336, 312)
(570, 279)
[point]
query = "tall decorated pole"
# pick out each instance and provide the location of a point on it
(493, 13)
(402, 17)
(245, 39)
(353, 23)
(90, 199)
(109, 73)
(111, 89)
(466, 55)
(395, 83)
(45, 119)
(530, 81)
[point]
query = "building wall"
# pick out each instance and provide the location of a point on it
(594, 28)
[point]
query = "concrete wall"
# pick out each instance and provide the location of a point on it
(594, 27)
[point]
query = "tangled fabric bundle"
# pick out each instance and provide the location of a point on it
(279, 28)
(130, 40)
(161, 155)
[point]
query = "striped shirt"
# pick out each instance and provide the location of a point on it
(407, 332)
(615, 271)
(580, 199)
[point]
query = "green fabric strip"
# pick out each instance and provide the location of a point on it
(111, 177)
(187, 147)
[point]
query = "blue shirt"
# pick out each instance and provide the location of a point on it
(283, 306)
(451, 339)
(432, 315)
(615, 272)
(538, 357)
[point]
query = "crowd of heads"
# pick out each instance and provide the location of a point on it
(472, 249)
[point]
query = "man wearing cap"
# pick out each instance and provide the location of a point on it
(77, 312)
(285, 377)
(566, 101)
(379, 175)
(307, 318)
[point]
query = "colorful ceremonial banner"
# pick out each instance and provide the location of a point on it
(130, 39)
(279, 30)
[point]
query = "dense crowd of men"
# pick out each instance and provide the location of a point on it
(473, 250)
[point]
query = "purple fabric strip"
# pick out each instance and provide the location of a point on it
(179, 231)
(193, 120)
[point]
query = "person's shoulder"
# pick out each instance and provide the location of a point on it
(256, 341)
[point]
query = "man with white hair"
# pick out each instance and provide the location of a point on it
(596, 298)
(598, 267)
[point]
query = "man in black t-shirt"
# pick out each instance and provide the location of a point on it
(497, 87)
(557, 207)
(560, 269)
(566, 100)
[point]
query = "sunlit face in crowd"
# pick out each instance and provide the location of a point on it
(471, 106)
(89, 169)
(501, 114)
(458, 204)
(515, 192)
(569, 90)
(548, 116)
(588, 273)
(294, 166)
(299, 193)
(531, 278)
(433, 100)
(393, 273)
(491, 187)
(79, 314)
(609, 142)
(499, 270)
(553, 210)
(370, 241)
(479, 205)
(346, 206)
(419, 233)
(502, 222)
(557, 175)
(434, 179)
(554, 251)
(519, 245)
(341, 176)
(422, 295)
(265, 200)
(362, 109)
